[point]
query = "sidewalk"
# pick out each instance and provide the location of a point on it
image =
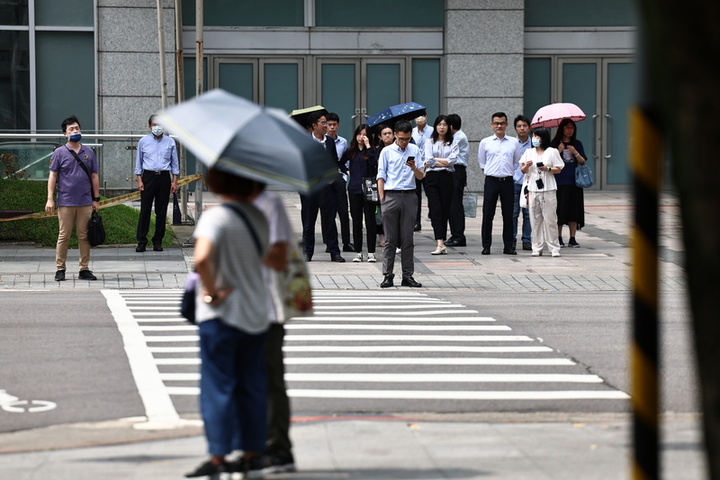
(601, 264)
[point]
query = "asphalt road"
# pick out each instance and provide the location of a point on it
(65, 347)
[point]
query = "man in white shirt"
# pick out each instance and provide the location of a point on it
(498, 155)
(422, 132)
(397, 171)
(457, 212)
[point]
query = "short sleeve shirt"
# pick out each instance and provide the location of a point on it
(73, 185)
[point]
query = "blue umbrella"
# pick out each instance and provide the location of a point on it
(391, 115)
(244, 138)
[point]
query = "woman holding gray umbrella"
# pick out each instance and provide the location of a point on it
(231, 312)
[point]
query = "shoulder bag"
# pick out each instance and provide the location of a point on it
(189, 298)
(583, 176)
(95, 228)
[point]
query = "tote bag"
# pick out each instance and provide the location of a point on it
(583, 176)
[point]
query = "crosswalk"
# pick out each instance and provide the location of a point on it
(367, 351)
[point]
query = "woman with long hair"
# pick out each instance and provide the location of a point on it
(362, 160)
(571, 202)
(540, 165)
(439, 155)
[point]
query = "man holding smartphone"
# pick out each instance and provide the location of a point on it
(397, 172)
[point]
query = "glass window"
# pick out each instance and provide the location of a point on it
(71, 13)
(382, 86)
(247, 13)
(63, 91)
(380, 13)
(237, 78)
(581, 13)
(281, 85)
(536, 78)
(13, 12)
(14, 80)
(339, 95)
(189, 74)
(426, 85)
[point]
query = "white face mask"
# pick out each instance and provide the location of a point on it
(157, 130)
(535, 142)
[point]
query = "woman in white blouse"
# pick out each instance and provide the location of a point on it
(439, 156)
(539, 165)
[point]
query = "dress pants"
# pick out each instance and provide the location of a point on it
(543, 216)
(399, 208)
(360, 209)
(67, 217)
(233, 391)
(157, 189)
(341, 197)
(278, 405)
(457, 212)
(497, 188)
(439, 191)
(526, 226)
(323, 200)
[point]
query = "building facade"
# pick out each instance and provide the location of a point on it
(100, 61)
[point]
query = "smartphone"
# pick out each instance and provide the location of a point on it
(539, 164)
(410, 159)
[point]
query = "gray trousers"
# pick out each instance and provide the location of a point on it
(399, 209)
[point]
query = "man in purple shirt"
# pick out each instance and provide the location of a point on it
(156, 162)
(78, 196)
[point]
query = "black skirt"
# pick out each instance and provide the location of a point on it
(570, 205)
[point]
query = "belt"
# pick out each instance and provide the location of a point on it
(400, 191)
(460, 166)
(500, 179)
(156, 172)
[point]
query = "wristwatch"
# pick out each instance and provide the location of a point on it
(209, 298)
(96, 199)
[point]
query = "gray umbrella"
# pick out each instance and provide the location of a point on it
(236, 135)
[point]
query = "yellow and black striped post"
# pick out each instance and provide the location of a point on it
(646, 163)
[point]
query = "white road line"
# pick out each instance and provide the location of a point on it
(426, 361)
(175, 349)
(174, 308)
(419, 338)
(439, 395)
(383, 314)
(444, 377)
(460, 395)
(441, 328)
(423, 301)
(386, 307)
(338, 318)
(153, 302)
(411, 348)
(371, 294)
(162, 320)
(180, 377)
(173, 338)
(177, 361)
(157, 403)
(170, 328)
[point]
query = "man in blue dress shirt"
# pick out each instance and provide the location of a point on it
(155, 164)
(396, 176)
(498, 155)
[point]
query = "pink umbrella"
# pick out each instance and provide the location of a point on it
(551, 115)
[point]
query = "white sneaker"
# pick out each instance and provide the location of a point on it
(398, 250)
(536, 254)
(555, 254)
(371, 258)
(358, 258)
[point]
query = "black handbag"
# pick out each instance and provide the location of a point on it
(95, 230)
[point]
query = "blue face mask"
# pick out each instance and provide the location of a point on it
(75, 137)
(535, 142)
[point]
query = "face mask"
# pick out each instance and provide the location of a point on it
(157, 130)
(535, 142)
(75, 137)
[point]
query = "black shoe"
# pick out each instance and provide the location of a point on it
(158, 248)
(140, 248)
(60, 276)
(337, 258)
(486, 251)
(514, 245)
(527, 246)
(573, 243)
(267, 464)
(417, 227)
(308, 258)
(455, 243)
(86, 275)
(388, 281)
(509, 251)
(206, 469)
(560, 241)
(348, 247)
(410, 282)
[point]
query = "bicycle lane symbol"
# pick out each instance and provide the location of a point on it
(12, 404)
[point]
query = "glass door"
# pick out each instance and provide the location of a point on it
(357, 89)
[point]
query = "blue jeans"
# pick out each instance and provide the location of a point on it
(526, 229)
(233, 391)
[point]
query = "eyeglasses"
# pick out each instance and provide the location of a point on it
(324, 124)
(499, 124)
(403, 140)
